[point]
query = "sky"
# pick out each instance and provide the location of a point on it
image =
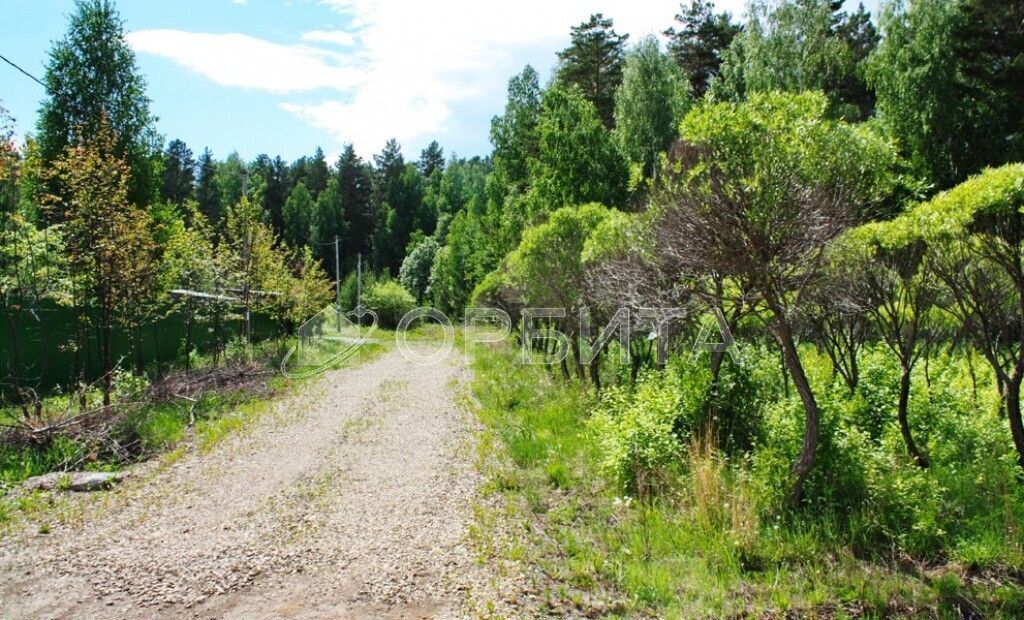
(285, 76)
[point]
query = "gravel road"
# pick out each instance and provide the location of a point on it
(350, 500)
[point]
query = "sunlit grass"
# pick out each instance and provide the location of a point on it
(701, 551)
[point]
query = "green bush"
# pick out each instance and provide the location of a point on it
(129, 387)
(636, 431)
(349, 289)
(390, 301)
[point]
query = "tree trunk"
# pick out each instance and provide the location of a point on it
(974, 377)
(854, 378)
(1012, 396)
(785, 374)
(635, 362)
(107, 370)
(577, 361)
(140, 357)
(595, 371)
(808, 452)
(717, 357)
(188, 337)
(1002, 388)
(901, 414)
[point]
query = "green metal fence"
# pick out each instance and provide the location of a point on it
(41, 350)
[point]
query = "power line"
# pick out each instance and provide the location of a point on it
(26, 73)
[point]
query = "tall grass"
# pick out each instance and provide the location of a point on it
(878, 537)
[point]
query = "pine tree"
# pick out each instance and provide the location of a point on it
(398, 197)
(861, 38)
(328, 223)
(431, 159)
(272, 175)
(179, 173)
(317, 174)
(698, 44)
(207, 192)
(593, 62)
(355, 185)
(390, 162)
(388, 167)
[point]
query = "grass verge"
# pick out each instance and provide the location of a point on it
(700, 552)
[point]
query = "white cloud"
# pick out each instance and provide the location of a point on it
(424, 57)
(408, 64)
(337, 37)
(240, 60)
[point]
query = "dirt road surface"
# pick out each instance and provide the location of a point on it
(349, 500)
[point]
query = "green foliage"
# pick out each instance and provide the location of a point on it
(10, 163)
(207, 193)
(179, 173)
(390, 301)
(755, 141)
(697, 46)
(636, 432)
(593, 63)
(516, 144)
(128, 387)
(355, 186)
(111, 257)
(432, 159)
(577, 161)
(298, 213)
(349, 289)
(307, 289)
(92, 79)
(948, 77)
(401, 209)
(464, 261)
(644, 429)
(32, 260)
(328, 223)
(795, 46)
(717, 526)
(616, 235)
(547, 266)
(652, 100)
(514, 134)
(978, 204)
(416, 268)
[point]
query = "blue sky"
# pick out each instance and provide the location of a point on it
(285, 76)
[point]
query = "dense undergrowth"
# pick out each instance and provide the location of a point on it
(628, 508)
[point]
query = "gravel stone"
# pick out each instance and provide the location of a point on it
(352, 500)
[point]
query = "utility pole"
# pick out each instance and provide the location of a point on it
(337, 273)
(337, 283)
(246, 261)
(359, 288)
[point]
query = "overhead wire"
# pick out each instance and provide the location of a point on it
(24, 72)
